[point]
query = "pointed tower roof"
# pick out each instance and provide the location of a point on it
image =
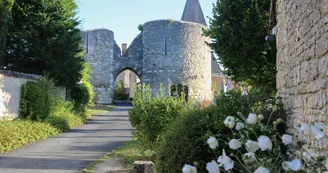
(193, 12)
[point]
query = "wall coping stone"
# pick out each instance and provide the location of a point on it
(10, 73)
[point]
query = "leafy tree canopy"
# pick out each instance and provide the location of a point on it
(45, 38)
(238, 29)
(5, 20)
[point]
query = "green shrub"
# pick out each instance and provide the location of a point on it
(119, 91)
(40, 101)
(63, 116)
(151, 116)
(58, 122)
(86, 82)
(140, 27)
(17, 133)
(81, 96)
(35, 102)
(234, 102)
(185, 142)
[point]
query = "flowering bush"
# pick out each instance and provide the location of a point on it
(185, 141)
(258, 147)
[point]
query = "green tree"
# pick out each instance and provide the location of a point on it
(5, 20)
(238, 29)
(45, 38)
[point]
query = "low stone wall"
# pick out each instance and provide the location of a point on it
(10, 85)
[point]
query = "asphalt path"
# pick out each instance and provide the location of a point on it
(74, 150)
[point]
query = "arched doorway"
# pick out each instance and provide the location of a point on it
(125, 85)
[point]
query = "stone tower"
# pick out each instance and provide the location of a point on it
(165, 52)
(175, 52)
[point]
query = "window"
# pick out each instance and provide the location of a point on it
(179, 91)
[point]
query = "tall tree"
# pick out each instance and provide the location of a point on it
(5, 20)
(238, 29)
(45, 38)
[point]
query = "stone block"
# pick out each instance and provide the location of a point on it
(143, 167)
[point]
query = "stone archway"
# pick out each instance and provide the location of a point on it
(126, 83)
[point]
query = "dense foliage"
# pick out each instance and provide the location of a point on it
(119, 91)
(45, 38)
(152, 116)
(238, 29)
(41, 101)
(63, 117)
(35, 102)
(17, 133)
(185, 142)
(5, 21)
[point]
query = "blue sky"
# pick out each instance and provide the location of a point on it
(124, 16)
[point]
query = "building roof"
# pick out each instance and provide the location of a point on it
(216, 69)
(193, 12)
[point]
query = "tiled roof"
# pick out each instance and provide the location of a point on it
(193, 12)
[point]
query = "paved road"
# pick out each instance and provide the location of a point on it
(72, 151)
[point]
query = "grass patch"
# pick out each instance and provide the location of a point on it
(129, 152)
(101, 109)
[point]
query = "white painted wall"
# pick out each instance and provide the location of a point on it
(10, 95)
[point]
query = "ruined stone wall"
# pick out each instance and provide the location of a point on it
(302, 64)
(100, 48)
(175, 52)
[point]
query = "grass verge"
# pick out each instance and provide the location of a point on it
(129, 152)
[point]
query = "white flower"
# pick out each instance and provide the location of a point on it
(260, 117)
(249, 157)
(189, 169)
(319, 125)
(252, 146)
(264, 143)
(234, 144)
(230, 122)
(252, 118)
(213, 167)
(287, 139)
(262, 170)
(225, 161)
(240, 126)
(294, 165)
(306, 128)
(318, 134)
(306, 156)
(212, 142)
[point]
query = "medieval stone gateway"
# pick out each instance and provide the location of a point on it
(165, 52)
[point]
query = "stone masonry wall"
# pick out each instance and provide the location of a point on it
(99, 53)
(175, 52)
(302, 64)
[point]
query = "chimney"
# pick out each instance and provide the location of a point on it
(124, 49)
